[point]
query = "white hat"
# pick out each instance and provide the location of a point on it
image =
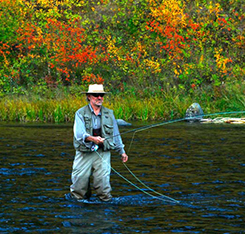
(95, 88)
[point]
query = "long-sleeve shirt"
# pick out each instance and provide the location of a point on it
(80, 131)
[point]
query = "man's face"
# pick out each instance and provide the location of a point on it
(96, 99)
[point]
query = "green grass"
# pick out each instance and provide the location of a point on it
(162, 106)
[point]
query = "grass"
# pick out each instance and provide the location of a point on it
(162, 106)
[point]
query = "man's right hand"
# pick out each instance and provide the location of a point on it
(96, 139)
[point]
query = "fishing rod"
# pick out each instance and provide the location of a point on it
(177, 120)
(164, 123)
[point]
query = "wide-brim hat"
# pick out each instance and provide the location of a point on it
(95, 88)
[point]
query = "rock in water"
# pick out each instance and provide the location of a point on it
(194, 113)
(121, 122)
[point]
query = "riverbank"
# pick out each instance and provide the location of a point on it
(59, 105)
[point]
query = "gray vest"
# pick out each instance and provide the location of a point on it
(106, 128)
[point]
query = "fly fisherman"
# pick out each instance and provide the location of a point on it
(96, 133)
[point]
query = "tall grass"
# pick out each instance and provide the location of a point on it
(161, 106)
(44, 110)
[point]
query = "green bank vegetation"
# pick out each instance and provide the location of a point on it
(59, 105)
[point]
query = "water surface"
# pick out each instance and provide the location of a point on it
(200, 165)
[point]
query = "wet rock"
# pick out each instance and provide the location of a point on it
(121, 122)
(225, 120)
(194, 113)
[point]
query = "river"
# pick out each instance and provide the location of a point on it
(191, 179)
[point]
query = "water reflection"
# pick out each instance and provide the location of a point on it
(202, 166)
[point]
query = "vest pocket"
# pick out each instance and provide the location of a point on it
(108, 129)
(87, 121)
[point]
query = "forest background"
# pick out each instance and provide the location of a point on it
(156, 57)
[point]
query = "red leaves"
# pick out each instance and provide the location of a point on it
(63, 43)
(174, 41)
(194, 26)
(93, 79)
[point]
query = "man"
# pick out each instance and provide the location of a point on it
(96, 133)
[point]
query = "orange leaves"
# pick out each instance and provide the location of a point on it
(4, 46)
(4, 52)
(174, 41)
(194, 26)
(193, 86)
(93, 79)
(224, 23)
(167, 18)
(29, 36)
(61, 42)
(87, 55)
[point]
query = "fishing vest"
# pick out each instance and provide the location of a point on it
(106, 128)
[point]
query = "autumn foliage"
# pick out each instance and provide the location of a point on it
(148, 43)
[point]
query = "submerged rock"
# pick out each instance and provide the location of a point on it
(122, 122)
(194, 113)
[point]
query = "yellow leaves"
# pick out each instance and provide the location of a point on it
(110, 44)
(39, 31)
(214, 8)
(177, 69)
(239, 40)
(112, 49)
(169, 11)
(32, 56)
(176, 72)
(45, 3)
(201, 59)
(27, 4)
(153, 65)
(221, 61)
(139, 47)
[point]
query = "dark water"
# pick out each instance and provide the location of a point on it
(200, 165)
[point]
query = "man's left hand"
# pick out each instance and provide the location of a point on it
(124, 157)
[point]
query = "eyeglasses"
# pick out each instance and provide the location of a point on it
(98, 94)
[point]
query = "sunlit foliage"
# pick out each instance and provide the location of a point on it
(144, 44)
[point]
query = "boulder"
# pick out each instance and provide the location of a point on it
(194, 113)
(121, 122)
